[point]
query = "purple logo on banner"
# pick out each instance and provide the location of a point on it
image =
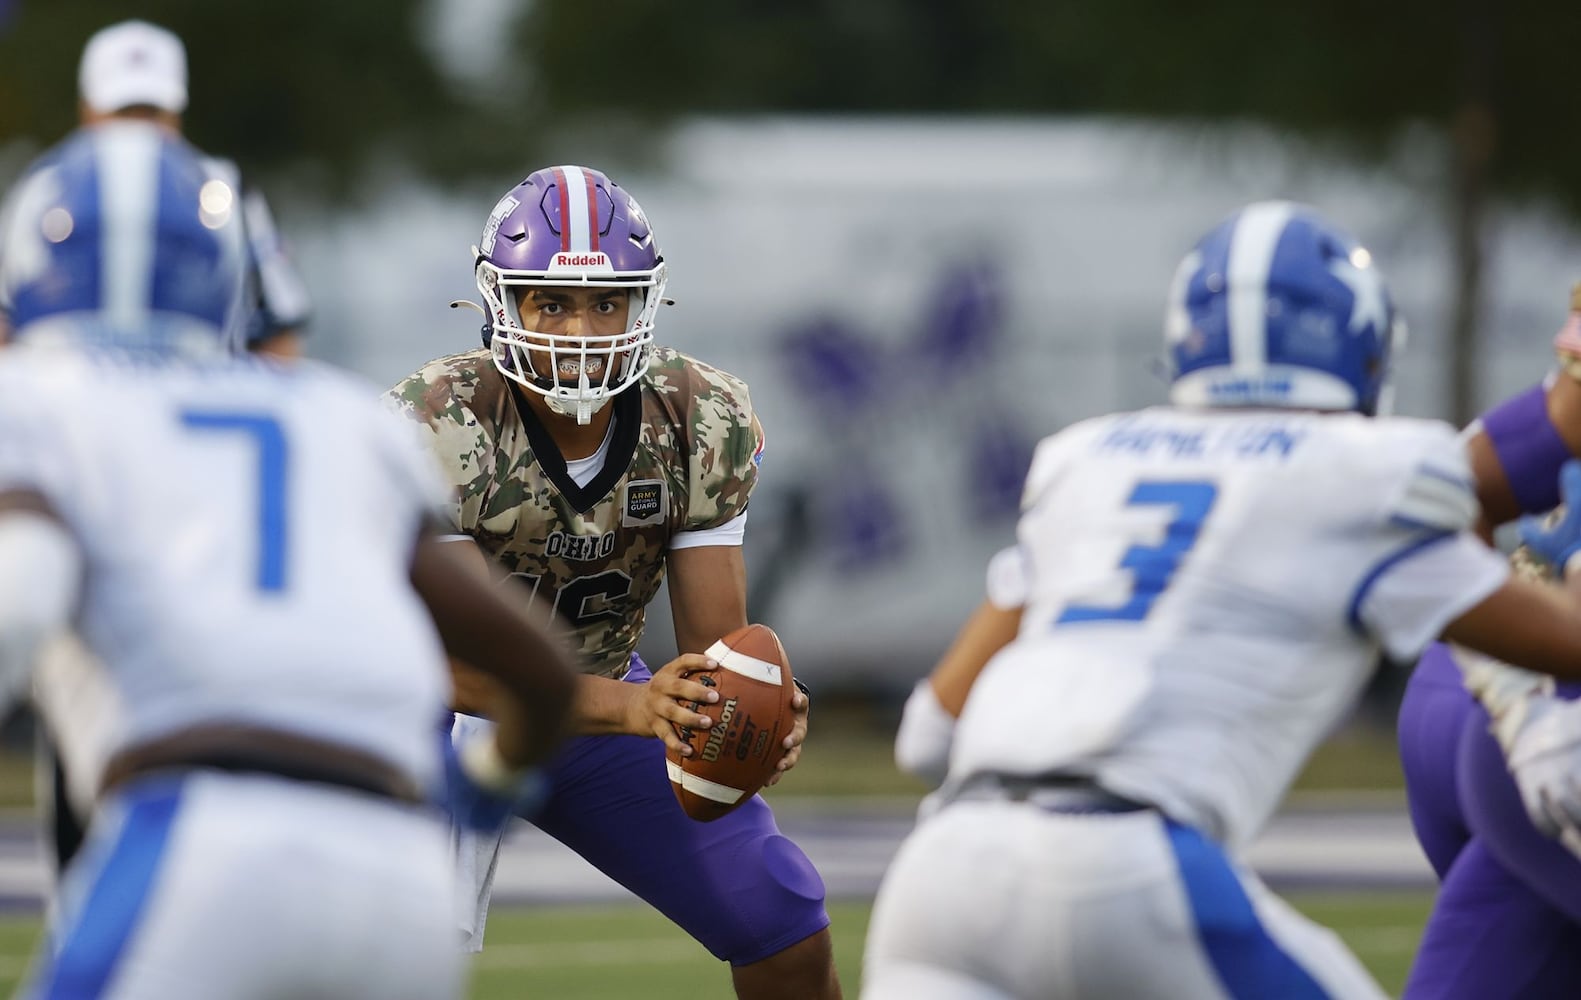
(873, 400)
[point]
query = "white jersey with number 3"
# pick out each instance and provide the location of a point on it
(248, 530)
(1205, 594)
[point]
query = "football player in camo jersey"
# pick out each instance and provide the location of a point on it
(589, 462)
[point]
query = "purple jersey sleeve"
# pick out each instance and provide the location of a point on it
(1529, 448)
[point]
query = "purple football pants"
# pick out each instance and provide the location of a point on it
(736, 884)
(1507, 921)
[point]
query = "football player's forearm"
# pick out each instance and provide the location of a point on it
(472, 692)
(1526, 624)
(603, 706)
(988, 631)
(482, 627)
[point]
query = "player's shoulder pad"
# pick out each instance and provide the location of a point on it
(339, 386)
(26, 385)
(711, 407)
(672, 373)
(445, 390)
(1434, 490)
(1052, 454)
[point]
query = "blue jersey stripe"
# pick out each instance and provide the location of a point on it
(1353, 612)
(1250, 964)
(92, 946)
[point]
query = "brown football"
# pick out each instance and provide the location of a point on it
(732, 758)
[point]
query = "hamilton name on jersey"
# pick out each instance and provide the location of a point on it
(680, 458)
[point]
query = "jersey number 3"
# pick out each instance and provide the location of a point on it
(1152, 566)
(268, 439)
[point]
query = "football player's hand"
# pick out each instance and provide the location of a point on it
(1545, 759)
(801, 704)
(1557, 538)
(486, 802)
(673, 698)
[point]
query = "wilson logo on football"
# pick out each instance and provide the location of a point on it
(599, 260)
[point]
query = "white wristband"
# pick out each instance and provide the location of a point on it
(481, 762)
(922, 747)
(40, 581)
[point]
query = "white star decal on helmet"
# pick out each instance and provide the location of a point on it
(1366, 288)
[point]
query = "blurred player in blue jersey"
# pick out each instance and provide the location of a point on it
(136, 71)
(1507, 920)
(1198, 593)
(248, 548)
(592, 463)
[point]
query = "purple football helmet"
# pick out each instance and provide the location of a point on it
(569, 227)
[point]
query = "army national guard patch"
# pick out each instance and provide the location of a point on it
(644, 503)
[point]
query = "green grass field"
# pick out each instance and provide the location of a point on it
(583, 953)
(616, 951)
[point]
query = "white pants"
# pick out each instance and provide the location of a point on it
(256, 888)
(477, 856)
(994, 900)
(81, 710)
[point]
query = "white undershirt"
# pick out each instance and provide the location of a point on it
(582, 470)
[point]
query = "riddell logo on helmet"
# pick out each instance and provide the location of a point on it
(581, 260)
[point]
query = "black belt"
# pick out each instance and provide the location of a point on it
(1060, 793)
(251, 750)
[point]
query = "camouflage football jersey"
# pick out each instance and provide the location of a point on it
(682, 457)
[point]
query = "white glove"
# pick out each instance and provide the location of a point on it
(1506, 692)
(1545, 759)
(922, 746)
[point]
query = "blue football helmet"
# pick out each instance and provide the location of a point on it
(1277, 308)
(125, 235)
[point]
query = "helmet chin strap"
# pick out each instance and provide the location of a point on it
(581, 409)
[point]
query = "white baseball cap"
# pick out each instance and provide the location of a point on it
(133, 63)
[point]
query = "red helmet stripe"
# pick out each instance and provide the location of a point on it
(592, 211)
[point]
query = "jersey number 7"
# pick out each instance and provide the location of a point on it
(269, 439)
(1152, 566)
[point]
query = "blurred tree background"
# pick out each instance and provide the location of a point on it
(327, 91)
(343, 94)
